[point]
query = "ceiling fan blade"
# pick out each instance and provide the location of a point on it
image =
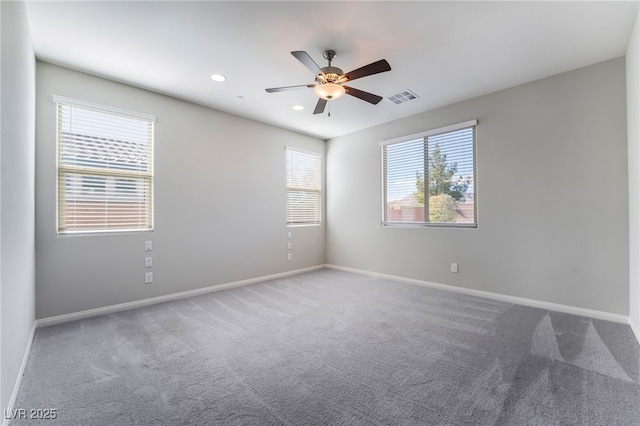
(374, 68)
(306, 60)
(361, 94)
(282, 89)
(320, 106)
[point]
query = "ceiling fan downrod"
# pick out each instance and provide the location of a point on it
(329, 55)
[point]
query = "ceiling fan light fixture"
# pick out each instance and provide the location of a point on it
(329, 91)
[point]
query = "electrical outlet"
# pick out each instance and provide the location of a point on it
(454, 267)
(148, 277)
(289, 256)
(289, 245)
(148, 262)
(148, 245)
(289, 234)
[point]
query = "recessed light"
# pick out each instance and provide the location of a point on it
(218, 77)
(298, 107)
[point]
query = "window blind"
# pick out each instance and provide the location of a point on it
(105, 168)
(303, 182)
(401, 164)
(429, 177)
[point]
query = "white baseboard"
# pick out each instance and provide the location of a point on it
(59, 319)
(496, 296)
(607, 316)
(635, 331)
(23, 366)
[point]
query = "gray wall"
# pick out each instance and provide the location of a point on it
(633, 130)
(552, 196)
(17, 152)
(219, 204)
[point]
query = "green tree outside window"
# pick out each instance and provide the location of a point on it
(445, 191)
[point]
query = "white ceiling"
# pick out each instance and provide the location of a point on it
(443, 51)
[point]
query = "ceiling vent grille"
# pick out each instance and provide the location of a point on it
(402, 97)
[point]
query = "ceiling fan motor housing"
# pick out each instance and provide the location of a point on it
(331, 75)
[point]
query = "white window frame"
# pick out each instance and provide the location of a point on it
(305, 189)
(423, 135)
(66, 173)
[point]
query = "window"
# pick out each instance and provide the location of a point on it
(429, 177)
(93, 184)
(105, 168)
(303, 187)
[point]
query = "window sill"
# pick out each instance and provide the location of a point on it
(427, 225)
(103, 233)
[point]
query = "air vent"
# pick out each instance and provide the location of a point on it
(402, 97)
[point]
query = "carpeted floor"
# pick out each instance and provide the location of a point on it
(328, 348)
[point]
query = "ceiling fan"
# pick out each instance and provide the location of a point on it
(330, 80)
